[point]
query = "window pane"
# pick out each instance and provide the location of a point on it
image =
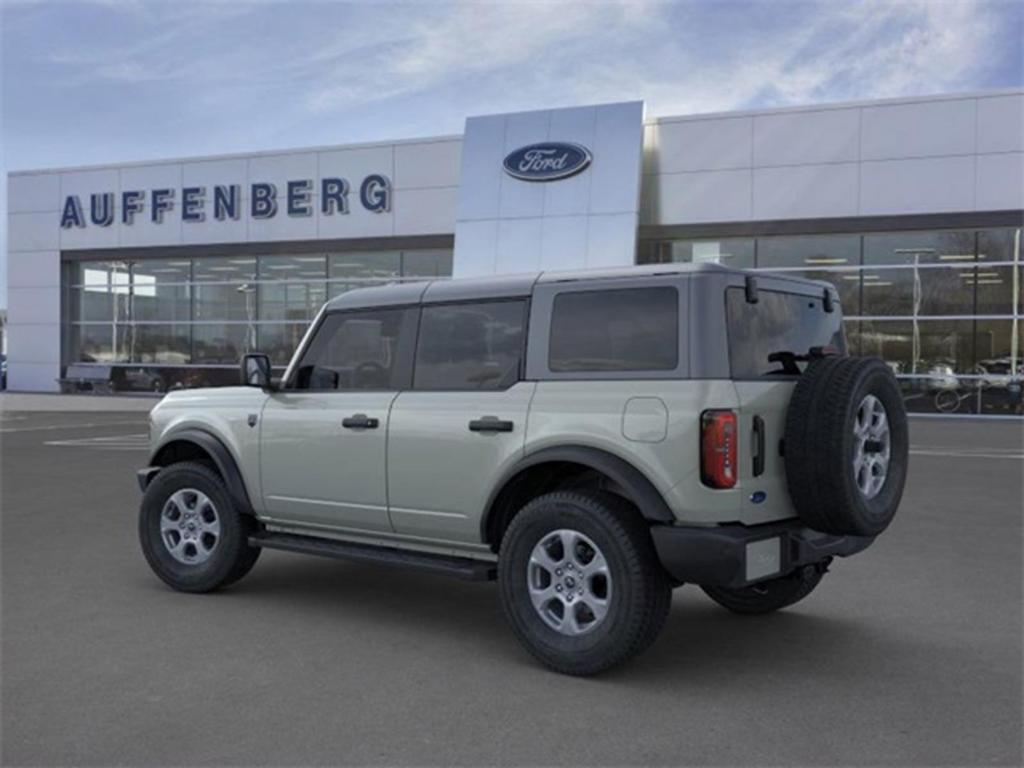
(653, 252)
(635, 329)
(101, 274)
(852, 330)
(939, 348)
(366, 265)
(1000, 344)
(165, 344)
(470, 346)
(291, 301)
(232, 301)
(162, 271)
(222, 342)
(426, 264)
(734, 252)
(98, 303)
(823, 250)
(778, 322)
(99, 344)
(158, 289)
(999, 245)
(360, 350)
(224, 269)
(942, 394)
(925, 291)
(995, 287)
(919, 247)
(298, 267)
(358, 269)
(280, 340)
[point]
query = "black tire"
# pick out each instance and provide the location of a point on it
(230, 557)
(820, 446)
(638, 602)
(768, 596)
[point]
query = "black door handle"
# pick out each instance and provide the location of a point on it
(759, 446)
(360, 421)
(490, 424)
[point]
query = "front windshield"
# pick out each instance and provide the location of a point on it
(778, 322)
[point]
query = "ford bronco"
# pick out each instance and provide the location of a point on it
(591, 440)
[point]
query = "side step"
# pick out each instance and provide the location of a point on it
(459, 567)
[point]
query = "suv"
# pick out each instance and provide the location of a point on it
(590, 439)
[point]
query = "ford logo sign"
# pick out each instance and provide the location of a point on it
(547, 162)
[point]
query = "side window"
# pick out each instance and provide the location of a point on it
(470, 346)
(627, 329)
(360, 350)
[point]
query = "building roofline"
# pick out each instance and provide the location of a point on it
(237, 155)
(696, 116)
(826, 106)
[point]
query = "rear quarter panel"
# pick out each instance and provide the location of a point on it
(594, 414)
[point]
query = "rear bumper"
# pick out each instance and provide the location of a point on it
(738, 555)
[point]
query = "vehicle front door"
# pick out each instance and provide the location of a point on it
(323, 436)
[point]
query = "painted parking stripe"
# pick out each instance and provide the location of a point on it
(996, 453)
(133, 442)
(53, 427)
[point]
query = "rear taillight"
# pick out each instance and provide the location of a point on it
(718, 449)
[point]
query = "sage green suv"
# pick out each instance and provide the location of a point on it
(590, 439)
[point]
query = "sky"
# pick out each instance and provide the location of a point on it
(100, 81)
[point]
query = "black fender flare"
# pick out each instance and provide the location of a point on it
(221, 456)
(635, 483)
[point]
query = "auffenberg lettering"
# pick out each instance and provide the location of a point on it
(297, 198)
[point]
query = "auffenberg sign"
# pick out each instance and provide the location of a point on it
(225, 202)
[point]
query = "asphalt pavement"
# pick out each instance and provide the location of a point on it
(909, 654)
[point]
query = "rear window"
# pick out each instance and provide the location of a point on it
(470, 346)
(631, 329)
(778, 322)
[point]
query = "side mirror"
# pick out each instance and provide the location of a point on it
(256, 370)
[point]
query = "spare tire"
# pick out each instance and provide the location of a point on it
(846, 445)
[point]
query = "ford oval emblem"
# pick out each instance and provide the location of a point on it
(547, 162)
(758, 497)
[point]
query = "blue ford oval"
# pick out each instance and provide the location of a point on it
(547, 161)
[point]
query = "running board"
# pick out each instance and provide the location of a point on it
(459, 567)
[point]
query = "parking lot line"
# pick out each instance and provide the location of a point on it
(52, 427)
(132, 442)
(990, 453)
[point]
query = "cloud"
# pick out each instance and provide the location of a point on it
(804, 52)
(463, 40)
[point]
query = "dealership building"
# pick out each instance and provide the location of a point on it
(156, 275)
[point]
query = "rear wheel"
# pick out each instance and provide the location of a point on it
(768, 596)
(191, 534)
(580, 581)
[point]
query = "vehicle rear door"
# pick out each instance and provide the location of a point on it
(787, 317)
(463, 423)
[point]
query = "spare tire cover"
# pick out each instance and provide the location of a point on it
(846, 445)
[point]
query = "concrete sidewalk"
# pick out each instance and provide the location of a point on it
(32, 401)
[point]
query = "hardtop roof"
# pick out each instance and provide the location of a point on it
(519, 285)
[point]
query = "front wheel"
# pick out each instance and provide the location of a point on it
(771, 595)
(191, 534)
(580, 581)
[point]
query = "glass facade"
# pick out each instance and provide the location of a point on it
(185, 322)
(944, 308)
